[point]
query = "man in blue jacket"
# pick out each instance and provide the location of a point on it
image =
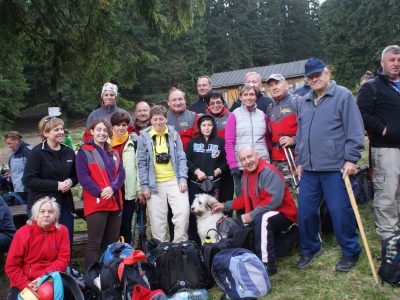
(379, 103)
(330, 139)
(7, 228)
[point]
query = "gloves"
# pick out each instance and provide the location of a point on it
(235, 172)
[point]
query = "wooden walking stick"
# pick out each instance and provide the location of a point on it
(360, 225)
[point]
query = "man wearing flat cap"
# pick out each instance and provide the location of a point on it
(330, 138)
(282, 117)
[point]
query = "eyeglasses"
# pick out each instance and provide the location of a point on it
(218, 102)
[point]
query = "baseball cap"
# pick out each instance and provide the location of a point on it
(277, 77)
(314, 65)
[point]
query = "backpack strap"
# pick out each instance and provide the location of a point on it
(73, 286)
(193, 256)
(164, 257)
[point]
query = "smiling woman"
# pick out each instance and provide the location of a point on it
(50, 170)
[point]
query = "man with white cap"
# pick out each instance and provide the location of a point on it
(282, 117)
(330, 138)
(109, 95)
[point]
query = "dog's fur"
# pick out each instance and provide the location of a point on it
(206, 220)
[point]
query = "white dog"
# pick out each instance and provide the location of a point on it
(206, 220)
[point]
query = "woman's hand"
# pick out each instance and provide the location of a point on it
(146, 194)
(34, 284)
(141, 198)
(183, 187)
(64, 186)
(107, 193)
(217, 172)
(200, 175)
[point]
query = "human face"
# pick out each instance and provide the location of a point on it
(391, 65)
(248, 98)
(121, 128)
(319, 82)
(142, 112)
(100, 134)
(12, 144)
(109, 98)
(203, 86)
(176, 102)
(254, 80)
(46, 216)
(206, 128)
(277, 88)
(55, 136)
(216, 105)
(158, 122)
(249, 159)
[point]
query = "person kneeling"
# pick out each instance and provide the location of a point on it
(267, 201)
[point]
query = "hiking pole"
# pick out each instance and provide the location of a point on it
(292, 166)
(360, 225)
(134, 229)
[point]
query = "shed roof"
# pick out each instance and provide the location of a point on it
(232, 78)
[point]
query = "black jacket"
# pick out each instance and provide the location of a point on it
(200, 105)
(44, 169)
(380, 113)
(206, 155)
(262, 103)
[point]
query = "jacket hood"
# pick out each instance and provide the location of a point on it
(21, 145)
(224, 112)
(214, 130)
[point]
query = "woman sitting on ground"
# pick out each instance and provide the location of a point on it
(39, 247)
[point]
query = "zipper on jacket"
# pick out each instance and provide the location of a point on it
(30, 270)
(252, 129)
(309, 131)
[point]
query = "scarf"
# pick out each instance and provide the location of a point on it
(118, 139)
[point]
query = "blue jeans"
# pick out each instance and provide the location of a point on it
(67, 219)
(313, 186)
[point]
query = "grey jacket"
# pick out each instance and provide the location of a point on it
(330, 133)
(146, 163)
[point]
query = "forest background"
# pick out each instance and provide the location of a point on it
(66, 49)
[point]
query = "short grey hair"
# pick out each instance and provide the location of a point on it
(392, 48)
(38, 204)
(253, 73)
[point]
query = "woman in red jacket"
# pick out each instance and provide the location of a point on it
(101, 175)
(39, 247)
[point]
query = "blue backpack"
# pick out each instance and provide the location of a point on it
(116, 250)
(240, 274)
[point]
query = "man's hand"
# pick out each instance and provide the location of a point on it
(6, 175)
(384, 131)
(349, 168)
(286, 141)
(246, 218)
(217, 207)
(299, 170)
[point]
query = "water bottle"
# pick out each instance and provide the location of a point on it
(200, 294)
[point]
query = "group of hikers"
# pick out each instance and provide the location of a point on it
(162, 158)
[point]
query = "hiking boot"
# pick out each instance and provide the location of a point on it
(307, 259)
(346, 263)
(271, 269)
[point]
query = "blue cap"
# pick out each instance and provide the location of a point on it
(313, 65)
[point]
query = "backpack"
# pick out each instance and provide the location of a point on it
(178, 266)
(209, 250)
(389, 270)
(135, 270)
(240, 274)
(325, 218)
(116, 250)
(93, 272)
(365, 191)
(109, 281)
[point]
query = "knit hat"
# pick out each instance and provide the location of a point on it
(109, 87)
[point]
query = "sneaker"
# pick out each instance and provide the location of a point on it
(307, 259)
(346, 263)
(271, 269)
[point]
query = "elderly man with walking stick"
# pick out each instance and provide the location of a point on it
(330, 138)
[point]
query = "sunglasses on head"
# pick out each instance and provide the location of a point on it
(12, 136)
